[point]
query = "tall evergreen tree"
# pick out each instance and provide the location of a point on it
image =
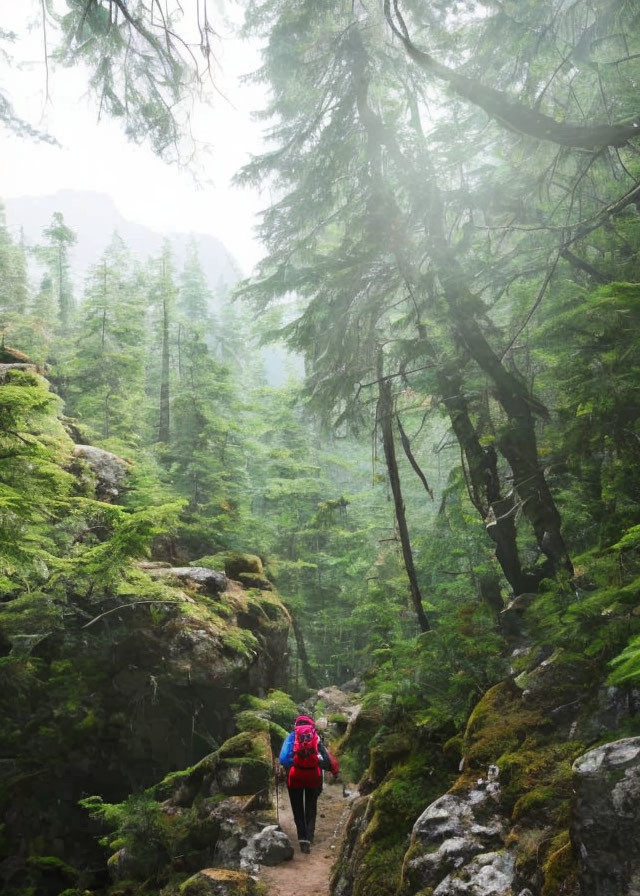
(163, 293)
(55, 256)
(106, 375)
(13, 280)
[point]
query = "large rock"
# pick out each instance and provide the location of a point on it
(221, 882)
(606, 819)
(208, 580)
(5, 369)
(451, 837)
(270, 846)
(335, 700)
(109, 469)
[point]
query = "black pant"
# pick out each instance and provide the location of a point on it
(304, 804)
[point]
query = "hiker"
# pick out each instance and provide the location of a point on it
(303, 755)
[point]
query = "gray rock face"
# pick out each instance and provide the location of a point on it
(489, 874)
(456, 845)
(606, 818)
(6, 368)
(270, 847)
(109, 470)
(210, 580)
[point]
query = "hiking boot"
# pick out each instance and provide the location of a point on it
(305, 846)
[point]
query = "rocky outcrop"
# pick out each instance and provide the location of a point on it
(110, 471)
(488, 874)
(216, 816)
(457, 844)
(210, 581)
(6, 369)
(606, 819)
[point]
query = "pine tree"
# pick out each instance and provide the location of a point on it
(106, 375)
(55, 256)
(162, 295)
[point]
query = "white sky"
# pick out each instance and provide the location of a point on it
(96, 156)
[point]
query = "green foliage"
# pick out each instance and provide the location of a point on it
(488, 278)
(145, 837)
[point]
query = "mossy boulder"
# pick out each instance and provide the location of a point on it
(273, 714)
(406, 773)
(221, 882)
(234, 563)
(499, 724)
(253, 580)
(241, 767)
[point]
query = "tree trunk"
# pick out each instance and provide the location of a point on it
(497, 511)
(310, 676)
(385, 416)
(518, 445)
(163, 428)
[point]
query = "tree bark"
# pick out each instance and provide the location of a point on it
(497, 511)
(385, 416)
(518, 444)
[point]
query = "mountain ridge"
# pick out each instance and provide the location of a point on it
(94, 217)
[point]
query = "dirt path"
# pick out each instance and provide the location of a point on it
(309, 873)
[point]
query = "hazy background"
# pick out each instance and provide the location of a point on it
(95, 156)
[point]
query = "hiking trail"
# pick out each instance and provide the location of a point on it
(309, 873)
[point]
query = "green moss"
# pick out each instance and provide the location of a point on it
(538, 779)
(253, 580)
(452, 749)
(354, 746)
(560, 867)
(536, 800)
(240, 640)
(52, 864)
(212, 561)
(241, 777)
(236, 883)
(529, 844)
(416, 776)
(243, 745)
(233, 563)
(499, 724)
(379, 870)
(276, 707)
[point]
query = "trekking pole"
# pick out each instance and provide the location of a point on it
(275, 774)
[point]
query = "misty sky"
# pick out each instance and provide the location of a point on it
(96, 156)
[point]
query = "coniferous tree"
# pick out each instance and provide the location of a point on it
(106, 374)
(163, 293)
(55, 256)
(13, 280)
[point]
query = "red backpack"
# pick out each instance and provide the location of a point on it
(305, 769)
(305, 747)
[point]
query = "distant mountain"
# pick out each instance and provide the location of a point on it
(94, 217)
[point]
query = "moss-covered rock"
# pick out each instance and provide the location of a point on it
(406, 772)
(254, 580)
(234, 563)
(221, 882)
